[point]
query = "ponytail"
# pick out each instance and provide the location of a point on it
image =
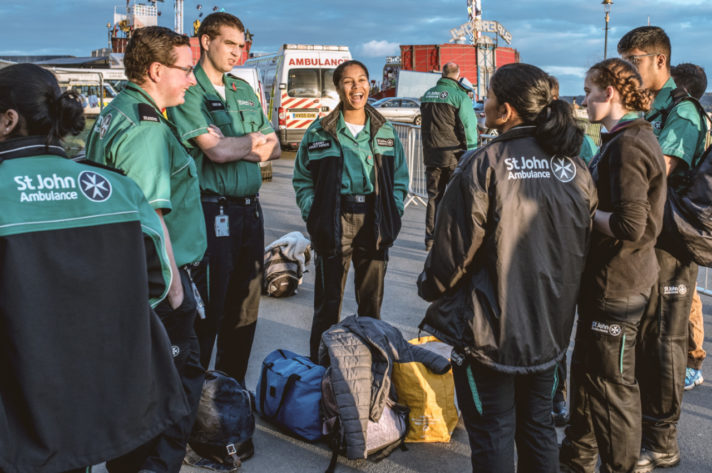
(43, 108)
(528, 90)
(556, 130)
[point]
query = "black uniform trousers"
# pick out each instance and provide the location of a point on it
(662, 352)
(501, 409)
(605, 397)
(436, 179)
(164, 454)
(230, 279)
(332, 271)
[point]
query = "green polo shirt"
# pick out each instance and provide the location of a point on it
(131, 134)
(239, 114)
(357, 176)
(683, 136)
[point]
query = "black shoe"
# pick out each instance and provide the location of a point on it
(649, 460)
(560, 413)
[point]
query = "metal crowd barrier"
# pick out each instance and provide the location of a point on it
(703, 281)
(409, 136)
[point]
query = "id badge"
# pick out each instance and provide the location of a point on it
(222, 226)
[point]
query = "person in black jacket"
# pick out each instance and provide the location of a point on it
(86, 366)
(621, 269)
(510, 245)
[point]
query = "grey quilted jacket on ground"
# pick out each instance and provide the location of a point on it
(361, 352)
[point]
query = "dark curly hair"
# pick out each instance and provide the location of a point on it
(528, 90)
(624, 77)
(44, 110)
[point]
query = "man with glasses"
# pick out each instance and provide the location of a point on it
(662, 338)
(225, 130)
(132, 134)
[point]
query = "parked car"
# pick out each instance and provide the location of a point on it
(399, 109)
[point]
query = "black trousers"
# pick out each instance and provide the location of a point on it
(605, 398)
(164, 454)
(230, 281)
(332, 271)
(500, 410)
(662, 351)
(437, 179)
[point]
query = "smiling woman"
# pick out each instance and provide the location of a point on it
(350, 167)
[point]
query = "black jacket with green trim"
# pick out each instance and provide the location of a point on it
(86, 370)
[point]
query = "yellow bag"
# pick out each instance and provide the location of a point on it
(430, 397)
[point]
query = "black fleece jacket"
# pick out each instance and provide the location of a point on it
(629, 171)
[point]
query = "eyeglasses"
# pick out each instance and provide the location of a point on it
(635, 58)
(187, 69)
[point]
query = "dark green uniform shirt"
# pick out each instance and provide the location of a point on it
(132, 135)
(683, 135)
(239, 114)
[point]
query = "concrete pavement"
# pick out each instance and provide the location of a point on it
(285, 323)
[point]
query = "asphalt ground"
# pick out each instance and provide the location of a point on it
(285, 323)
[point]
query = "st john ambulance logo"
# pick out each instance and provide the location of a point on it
(563, 168)
(95, 187)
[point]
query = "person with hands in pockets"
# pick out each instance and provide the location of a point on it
(351, 179)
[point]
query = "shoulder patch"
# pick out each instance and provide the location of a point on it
(319, 145)
(147, 113)
(103, 125)
(214, 105)
(443, 94)
(386, 142)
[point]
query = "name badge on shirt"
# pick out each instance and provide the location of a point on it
(385, 142)
(318, 145)
(222, 226)
(215, 105)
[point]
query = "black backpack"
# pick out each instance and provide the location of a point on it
(282, 275)
(225, 422)
(687, 221)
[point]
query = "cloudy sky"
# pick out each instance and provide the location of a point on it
(564, 37)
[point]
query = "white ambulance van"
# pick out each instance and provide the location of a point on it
(298, 86)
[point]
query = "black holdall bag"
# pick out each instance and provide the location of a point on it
(225, 421)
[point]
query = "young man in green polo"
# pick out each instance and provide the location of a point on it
(131, 134)
(662, 339)
(227, 133)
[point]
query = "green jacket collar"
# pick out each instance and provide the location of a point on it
(330, 122)
(447, 82)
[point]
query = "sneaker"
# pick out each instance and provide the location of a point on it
(693, 378)
(560, 413)
(649, 460)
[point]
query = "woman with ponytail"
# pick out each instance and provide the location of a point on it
(509, 249)
(629, 171)
(87, 370)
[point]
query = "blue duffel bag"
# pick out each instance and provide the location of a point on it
(289, 392)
